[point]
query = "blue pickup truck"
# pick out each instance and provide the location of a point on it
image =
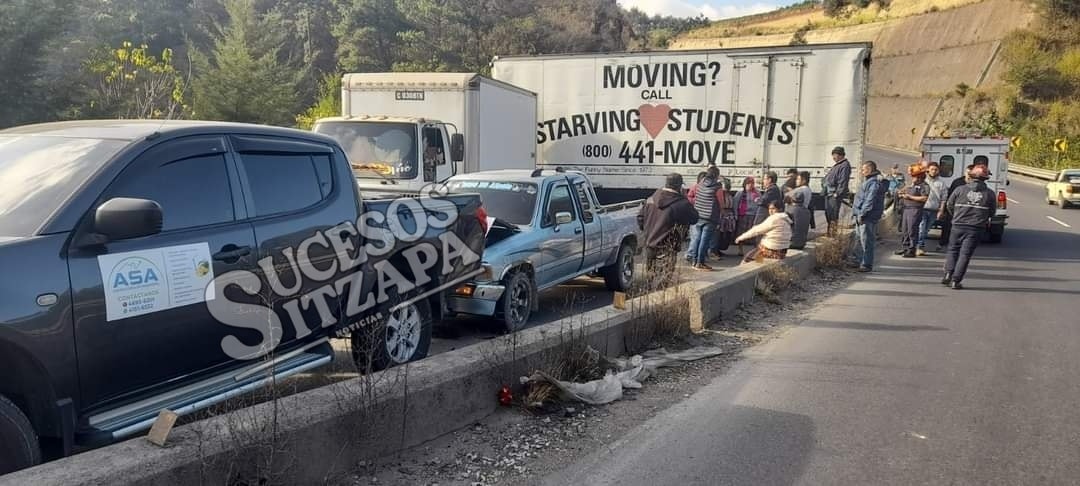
(547, 228)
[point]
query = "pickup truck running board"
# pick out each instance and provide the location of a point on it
(133, 418)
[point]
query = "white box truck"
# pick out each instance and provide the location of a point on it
(628, 119)
(403, 131)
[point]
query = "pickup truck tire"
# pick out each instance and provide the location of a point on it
(1062, 203)
(516, 304)
(620, 275)
(996, 235)
(402, 336)
(19, 448)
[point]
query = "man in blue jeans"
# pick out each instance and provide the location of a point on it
(867, 209)
(706, 204)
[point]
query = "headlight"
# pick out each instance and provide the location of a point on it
(486, 274)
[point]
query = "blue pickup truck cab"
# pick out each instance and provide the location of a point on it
(548, 228)
(154, 265)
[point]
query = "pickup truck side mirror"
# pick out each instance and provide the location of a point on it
(123, 218)
(457, 147)
(563, 217)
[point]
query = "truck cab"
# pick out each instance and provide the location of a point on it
(395, 154)
(954, 154)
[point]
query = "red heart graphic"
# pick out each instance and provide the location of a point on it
(654, 118)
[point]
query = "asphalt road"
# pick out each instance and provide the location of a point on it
(894, 380)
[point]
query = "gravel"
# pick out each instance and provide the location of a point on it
(518, 446)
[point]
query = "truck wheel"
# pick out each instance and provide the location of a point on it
(404, 335)
(995, 236)
(1062, 203)
(19, 448)
(619, 275)
(516, 304)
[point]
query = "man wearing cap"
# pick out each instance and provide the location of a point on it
(664, 220)
(837, 181)
(971, 207)
(912, 199)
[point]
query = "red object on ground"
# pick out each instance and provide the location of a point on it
(505, 397)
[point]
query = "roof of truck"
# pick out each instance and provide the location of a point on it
(130, 130)
(378, 118)
(517, 175)
(422, 81)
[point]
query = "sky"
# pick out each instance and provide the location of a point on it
(713, 9)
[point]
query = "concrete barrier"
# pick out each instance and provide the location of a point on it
(319, 435)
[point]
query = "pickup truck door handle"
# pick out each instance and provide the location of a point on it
(577, 231)
(232, 253)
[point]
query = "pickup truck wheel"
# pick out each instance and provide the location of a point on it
(19, 448)
(620, 275)
(516, 305)
(403, 336)
(1062, 203)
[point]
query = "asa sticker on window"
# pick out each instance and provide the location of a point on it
(156, 279)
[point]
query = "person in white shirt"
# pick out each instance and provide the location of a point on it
(775, 234)
(938, 193)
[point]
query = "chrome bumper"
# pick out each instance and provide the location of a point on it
(482, 302)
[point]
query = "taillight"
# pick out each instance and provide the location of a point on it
(1003, 201)
(481, 215)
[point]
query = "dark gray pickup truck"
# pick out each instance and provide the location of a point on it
(152, 265)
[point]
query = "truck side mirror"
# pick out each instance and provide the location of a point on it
(563, 217)
(123, 218)
(457, 147)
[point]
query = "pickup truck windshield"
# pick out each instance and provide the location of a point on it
(512, 202)
(376, 149)
(38, 173)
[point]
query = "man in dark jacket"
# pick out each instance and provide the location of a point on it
(770, 194)
(971, 207)
(867, 208)
(943, 214)
(664, 220)
(836, 187)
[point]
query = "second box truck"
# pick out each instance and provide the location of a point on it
(404, 131)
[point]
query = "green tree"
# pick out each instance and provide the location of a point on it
(367, 34)
(132, 83)
(244, 79)
(27, 28)
(328, 104)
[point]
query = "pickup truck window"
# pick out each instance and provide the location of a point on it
(512, 202)
(281, 183)
(38, 173)
(586, 206)
(559, 200)
(192, 191)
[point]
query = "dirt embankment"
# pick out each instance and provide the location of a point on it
(918, 61)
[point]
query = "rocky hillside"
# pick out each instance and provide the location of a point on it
(927, 53)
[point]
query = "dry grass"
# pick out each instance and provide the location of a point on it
(774, 279)
(832, 251)
(789, 22)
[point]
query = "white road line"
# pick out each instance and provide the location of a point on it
(1014, 201)
(1058, 221)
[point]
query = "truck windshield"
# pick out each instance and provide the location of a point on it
(376, 149)
(512, 202)
(38, 173)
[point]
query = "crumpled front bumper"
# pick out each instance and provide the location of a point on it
(479, 299)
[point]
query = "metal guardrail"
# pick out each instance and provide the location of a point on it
(1046, 175)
